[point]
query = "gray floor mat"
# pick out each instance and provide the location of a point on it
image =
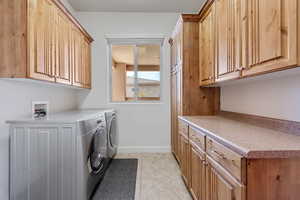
(119, 181)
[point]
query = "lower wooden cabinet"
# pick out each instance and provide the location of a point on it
(205, 176)
(197, 173)
(214, 172)
(220, 184)
(185, 159)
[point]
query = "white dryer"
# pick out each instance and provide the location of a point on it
(112, 133)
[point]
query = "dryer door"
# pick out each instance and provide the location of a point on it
(112, 132)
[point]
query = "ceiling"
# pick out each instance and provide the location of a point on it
(174, 6)
(147, 54)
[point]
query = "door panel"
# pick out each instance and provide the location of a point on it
(228, 35)
(272, 35)
(86, 64)
(197, 171)
(77, 65)
(221, 185)
(269, 29)
(63, 67)
(41, 40)
(207, 47)
(175, 143)
(222, 23)
(184, 158)
(220, 188)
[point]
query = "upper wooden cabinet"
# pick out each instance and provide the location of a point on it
(228, 39)
(45, 50)
(248, 37)
(63, 72)
(177, 44)
(272, 35)
(42, 40)
(207, 47)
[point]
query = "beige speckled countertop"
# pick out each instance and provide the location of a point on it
(248, 140)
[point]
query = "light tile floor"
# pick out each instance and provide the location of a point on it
(158, 177)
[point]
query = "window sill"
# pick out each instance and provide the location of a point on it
(137, 102)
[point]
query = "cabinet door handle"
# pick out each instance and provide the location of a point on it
(220, 155)
(240, 68)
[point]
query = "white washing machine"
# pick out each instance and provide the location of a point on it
(62, 157)
(92, 151)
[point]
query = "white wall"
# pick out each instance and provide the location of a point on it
(143, 127)
(15, 102)
(276, 97)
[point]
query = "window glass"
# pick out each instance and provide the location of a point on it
(122, 84)
(135, 73)
(148, 75)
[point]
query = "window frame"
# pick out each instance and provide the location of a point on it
(135, 41)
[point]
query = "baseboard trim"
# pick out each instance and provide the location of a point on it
(140, 149)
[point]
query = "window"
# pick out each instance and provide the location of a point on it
(135, 70)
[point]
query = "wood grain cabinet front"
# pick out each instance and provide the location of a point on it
(228, 39)
(207, 47)
(185, 159)
(197, 172)
(174, 116)
(220, 185)
(240, 38)
(198, 138)
(272, 35)
(63, 50)
(233, 162)
(39, 42)
(221, 172)
(42, 38)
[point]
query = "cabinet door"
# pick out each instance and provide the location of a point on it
(272, 35)
(207, 47)
(179, 86)
(77, 41)
(228, 35)
(197, 171)
(177, 44)
(86, 63)
(220, 185)
(41, 33)
(184, 158)
(63, 49)
(174, 116)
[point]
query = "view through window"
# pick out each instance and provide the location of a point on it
(135, 72)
